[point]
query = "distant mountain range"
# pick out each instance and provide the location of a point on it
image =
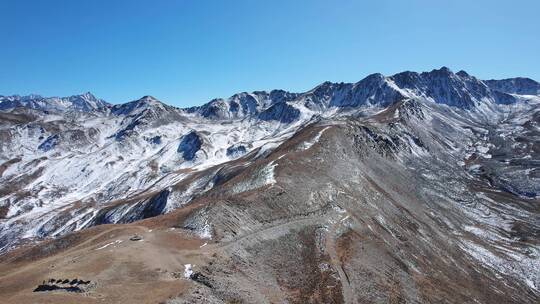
(85, 102)
(441, 86)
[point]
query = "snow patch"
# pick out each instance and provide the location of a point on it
(206, 231)
(309, 143)
(261, 178)
(522, 267)
(188, 271)
(109, 244)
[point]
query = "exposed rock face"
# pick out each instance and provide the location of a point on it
(520, 85)
(237, 150)
(413, 188)
(130, 211)
(49, 143)
(374, 89)
(189, 145)
(281, 112)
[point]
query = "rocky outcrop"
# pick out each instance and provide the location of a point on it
(282, 112)
(519, 85)
(189, 145)
(236, 150)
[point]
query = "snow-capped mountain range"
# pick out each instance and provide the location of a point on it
(85, 102)
(80, 149)
(71, 163)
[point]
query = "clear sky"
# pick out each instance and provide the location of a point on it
(188, 52)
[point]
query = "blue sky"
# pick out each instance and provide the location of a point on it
(187, 52)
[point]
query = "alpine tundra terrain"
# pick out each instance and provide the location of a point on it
(411, 188)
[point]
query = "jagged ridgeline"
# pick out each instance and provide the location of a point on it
(410, 188)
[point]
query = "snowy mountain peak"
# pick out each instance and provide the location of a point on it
(87, 96)
(441, 86)
(444, 87)
(149, 99)
(136, 106)
(442, 71)
(242, 104)
(463, 74)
